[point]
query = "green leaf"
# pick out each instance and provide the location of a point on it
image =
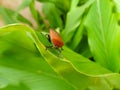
(84, 65)
(114, 80)
(25, 62)
(52, 14)
(21, 65)
(34, 12)
(10, 16)
(103, 35)
(74, 4)
(117, 5)
(73, 21)
(116, 9)
(73, 65)
(78, 35)
(100, 84)
(20, 86)
(7, 15)
(62, 5)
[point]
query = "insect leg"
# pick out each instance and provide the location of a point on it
(49, 47)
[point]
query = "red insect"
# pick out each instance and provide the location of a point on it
(56, 39)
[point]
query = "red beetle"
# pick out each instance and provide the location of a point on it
(56, 39)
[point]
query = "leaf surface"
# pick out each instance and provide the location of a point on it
(103, 35)
(27, 59)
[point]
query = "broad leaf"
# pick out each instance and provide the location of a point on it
(84, 65)
(103, 35)
(24, 64)
(21, 65)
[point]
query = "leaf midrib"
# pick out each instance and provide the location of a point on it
(102, 28)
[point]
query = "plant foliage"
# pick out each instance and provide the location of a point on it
(90, 59)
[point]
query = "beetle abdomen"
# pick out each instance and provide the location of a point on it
(56, 39)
